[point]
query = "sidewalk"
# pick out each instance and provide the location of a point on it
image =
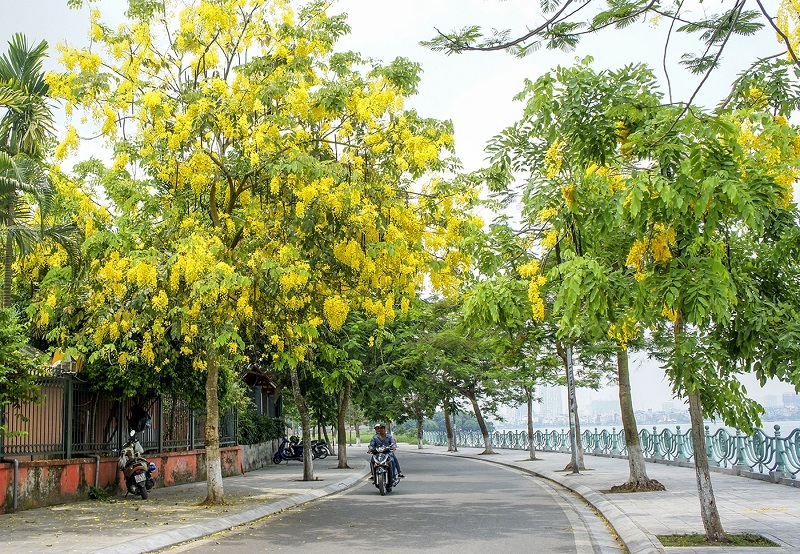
(171, 515)
(745, 505)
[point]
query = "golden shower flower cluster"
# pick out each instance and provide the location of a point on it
(553, 158)
(335, 310)
(624, 331)
(383, 312)
(657, 247)
(530, 271)
(144, 275)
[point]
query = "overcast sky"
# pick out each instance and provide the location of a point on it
(474, 90)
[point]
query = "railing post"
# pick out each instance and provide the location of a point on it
(597, 448)
(658, 450)
(236, 427)
(614, 441)
(780, 457)
(122, 429)
(682, 455)
(191, 429)
(710, 449)
(741, 463)
(160, 420)
(2, 414)
(67, 424)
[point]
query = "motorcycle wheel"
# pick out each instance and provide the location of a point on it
(276, 459)
(142, 491)
(322, 453)
(382, 483)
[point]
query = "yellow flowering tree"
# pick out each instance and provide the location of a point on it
(703, 207)
(574, 126)
(265, 186)
(652, 214)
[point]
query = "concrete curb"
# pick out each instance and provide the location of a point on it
(161, 541)
(634, 539)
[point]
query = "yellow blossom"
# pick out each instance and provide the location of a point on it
(335, 309)
(553, 158)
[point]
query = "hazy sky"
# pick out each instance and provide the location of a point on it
(475, 90)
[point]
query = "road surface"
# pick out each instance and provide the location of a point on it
(446, 504)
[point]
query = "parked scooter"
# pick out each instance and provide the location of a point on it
(384, 475)
(320, 449)
(290, 449)
(135, 468)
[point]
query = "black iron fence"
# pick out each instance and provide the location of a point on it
(72, 420)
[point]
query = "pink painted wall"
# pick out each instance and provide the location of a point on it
(48, 482)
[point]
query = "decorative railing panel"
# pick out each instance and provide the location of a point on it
(758, 453)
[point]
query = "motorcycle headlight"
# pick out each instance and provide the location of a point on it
(152, 467)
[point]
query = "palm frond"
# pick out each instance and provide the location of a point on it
(28, 121)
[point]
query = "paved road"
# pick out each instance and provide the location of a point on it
(448, 505)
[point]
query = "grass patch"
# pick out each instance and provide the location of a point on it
(697, 539)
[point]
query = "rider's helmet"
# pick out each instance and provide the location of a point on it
(151, 467)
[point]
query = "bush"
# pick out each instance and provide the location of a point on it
(410, 437)
(255, 428)
(96, 493)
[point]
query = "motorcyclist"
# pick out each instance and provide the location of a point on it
(382, 439)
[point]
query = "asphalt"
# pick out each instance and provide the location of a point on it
(174, 515)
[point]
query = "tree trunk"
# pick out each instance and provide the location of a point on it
(419, 431)
(448, 426)
(215, 493)
(325, 436)
(531, 447)
(305, 423)
(576, 445)
(8, 260)
(637, 479)
(487, 439)
(708, 504)
(341, 431)
(358, 433)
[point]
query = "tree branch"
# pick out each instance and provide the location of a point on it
(780, 33)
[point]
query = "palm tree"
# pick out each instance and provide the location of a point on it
(25, 128)
(28, 120)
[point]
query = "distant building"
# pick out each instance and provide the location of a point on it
(791, 400)
(603, 407)
(668, 407)
(551, 406)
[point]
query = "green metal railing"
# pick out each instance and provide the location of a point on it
(753, 455)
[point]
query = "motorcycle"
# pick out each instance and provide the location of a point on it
(135, 468)
(320, 449)
(384, 476)
(290, 449)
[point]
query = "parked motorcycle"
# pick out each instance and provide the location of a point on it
(320, 449)
(135, 468)
(384, 476)
(290, 449)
